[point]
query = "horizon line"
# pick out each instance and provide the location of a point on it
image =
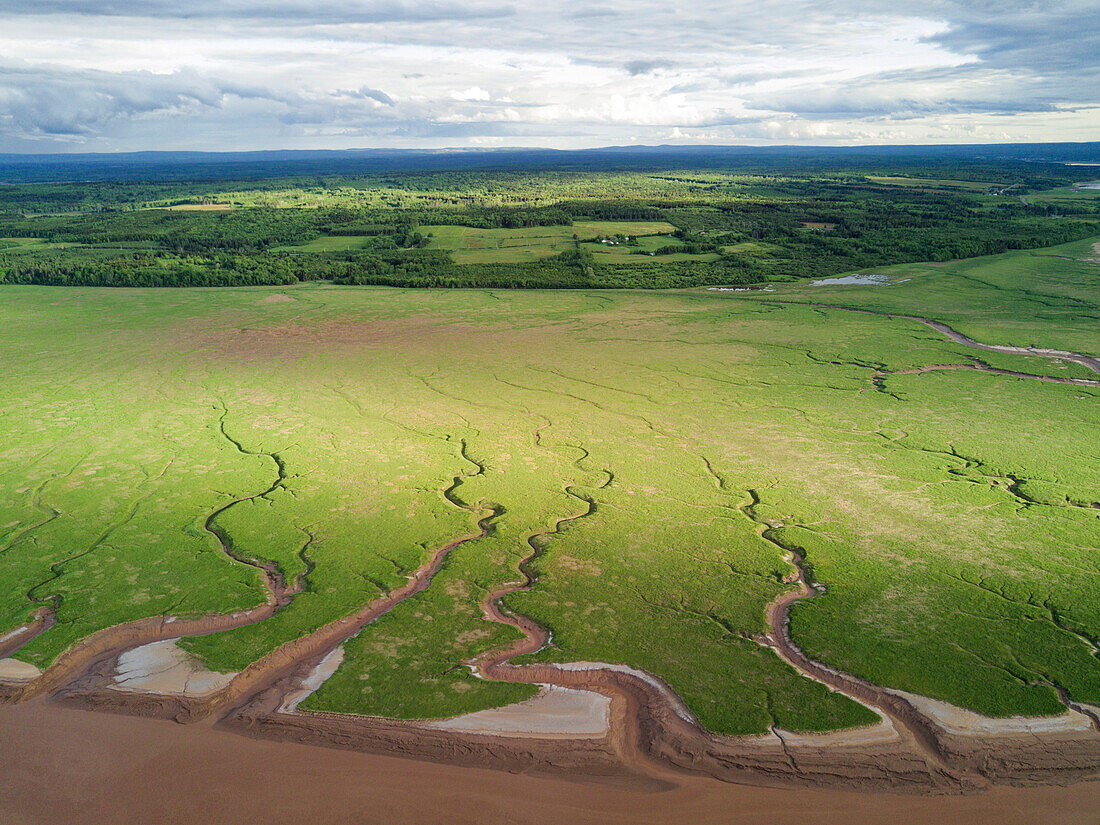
(604, 148)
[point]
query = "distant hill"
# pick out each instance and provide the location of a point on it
(132, 166)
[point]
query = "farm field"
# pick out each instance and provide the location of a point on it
(644, 245)
(539, 228)
(931, 183)
(1066, 196)
(329, 243)
(29, 245)
(472, 245)
(654, 457)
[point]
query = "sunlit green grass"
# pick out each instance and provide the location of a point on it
(948, 514)
(473, 245)
(330, 243)
(1044, 297)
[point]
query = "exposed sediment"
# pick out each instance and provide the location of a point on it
(273, 674)
(656, 734)
(916, 747)
(264, 685)
(165, 668)
(553, 711)
(44, 618)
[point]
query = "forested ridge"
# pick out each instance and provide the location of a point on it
(741, 227)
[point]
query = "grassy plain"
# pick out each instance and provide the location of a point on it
(1042, 297)
(473, 245)
(948, 514)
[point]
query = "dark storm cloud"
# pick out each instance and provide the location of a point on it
(1044, 37)
(53, 102)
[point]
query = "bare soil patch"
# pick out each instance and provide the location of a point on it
(13, 670)
(553, 710)
(163, 667)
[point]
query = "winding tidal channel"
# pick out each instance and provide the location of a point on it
(652, 738)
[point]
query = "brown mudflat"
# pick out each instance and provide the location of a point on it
(63, 766)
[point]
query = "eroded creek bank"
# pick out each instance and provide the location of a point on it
(649, 734)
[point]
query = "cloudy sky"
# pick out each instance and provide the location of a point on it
(119, 75)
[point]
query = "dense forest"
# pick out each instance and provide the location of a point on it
(732, 226)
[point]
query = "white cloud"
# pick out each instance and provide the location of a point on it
(231, 74)
(473, 93)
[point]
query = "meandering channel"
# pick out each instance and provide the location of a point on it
(1090, 361)
(897, 709)
(76, 661)
(652, 730)
(290, 658)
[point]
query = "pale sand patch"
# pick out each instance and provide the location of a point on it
(884, 731)
(317, 677)
(13, 670)
(277, 298)
(856, 279)
(959, 720)
(11, 634)
(163, 667)
(553, 710)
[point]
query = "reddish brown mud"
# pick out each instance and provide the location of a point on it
(69, 767)
(653, 742)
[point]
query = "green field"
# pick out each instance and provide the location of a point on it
(950, 515)
(594, 229)
(29, 245)
(621, 252)
(472, 245)
(1065, 196)
(329, 243)
(932, 183)
(519, 228)
(1042, 297)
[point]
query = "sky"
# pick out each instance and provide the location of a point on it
(127, 75)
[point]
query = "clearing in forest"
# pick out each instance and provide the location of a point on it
(474, 245)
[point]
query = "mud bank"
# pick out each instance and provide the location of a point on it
(165, 668)
(621, 722)
(283, 670)
(107, 645)
(17, 672)
(111, 762)
(650, 736)
(13, 640)
(553, 711)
